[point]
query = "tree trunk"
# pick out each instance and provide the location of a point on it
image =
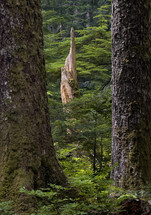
(101, 155)
(131, 147)
(27, 153)
(69, 83)
(94, 154)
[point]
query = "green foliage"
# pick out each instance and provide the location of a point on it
(82, 136)
(67, 13)
(144, 192)
(125, 197)
(93, 56)
(92, 43)
(88, 125)
(94, 192)
(6, 208)
(89, 121)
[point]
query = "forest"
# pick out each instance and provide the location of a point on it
(75, 107)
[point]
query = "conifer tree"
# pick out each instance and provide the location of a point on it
(131, 148)
(93, 55)
(27, 154)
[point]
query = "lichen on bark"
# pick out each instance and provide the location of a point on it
(131, 148)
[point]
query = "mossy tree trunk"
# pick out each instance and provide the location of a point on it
(27, 155)
(131, 147)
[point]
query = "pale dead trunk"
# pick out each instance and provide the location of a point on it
(69, 83)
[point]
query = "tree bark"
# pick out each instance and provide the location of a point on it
(131, 145)
(27, 155)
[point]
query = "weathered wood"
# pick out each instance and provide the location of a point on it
(69, 83)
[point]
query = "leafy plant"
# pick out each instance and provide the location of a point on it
(93, 197)
(126, 196)
(6, 208)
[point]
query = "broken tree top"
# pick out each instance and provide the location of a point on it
(69, 83)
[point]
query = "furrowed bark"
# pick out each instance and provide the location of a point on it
(131, 48)
(27, 155)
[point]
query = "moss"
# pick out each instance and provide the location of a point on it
(12, 165)
(25, 132)
(72, 82)
(131, 135)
